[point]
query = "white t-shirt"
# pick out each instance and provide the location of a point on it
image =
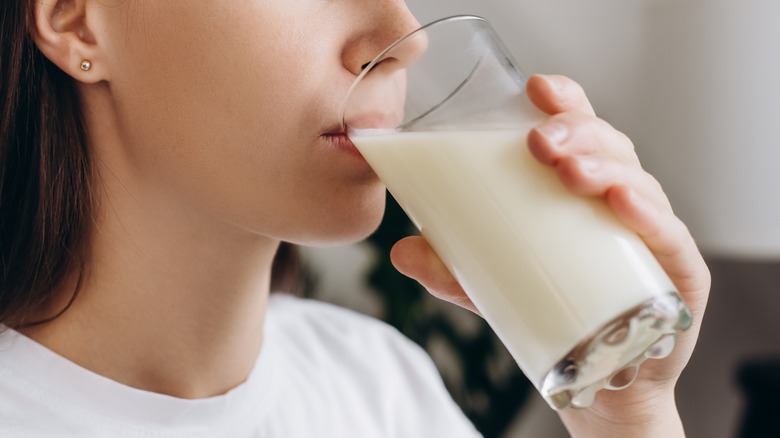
(323, 371)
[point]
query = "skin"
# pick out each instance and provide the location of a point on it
(209, 122)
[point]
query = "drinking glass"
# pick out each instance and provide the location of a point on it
(580, 302)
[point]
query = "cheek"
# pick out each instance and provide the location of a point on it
(229, 124)
(215, 85)
(210, 77)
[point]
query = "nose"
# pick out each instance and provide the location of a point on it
(387, 21)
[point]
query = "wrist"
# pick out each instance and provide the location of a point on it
(650, 416)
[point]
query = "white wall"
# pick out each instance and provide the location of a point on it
(712, 70)
(594, 42)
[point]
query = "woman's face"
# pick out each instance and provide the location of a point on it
(224, 107)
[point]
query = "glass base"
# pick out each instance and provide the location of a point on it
(610, 358)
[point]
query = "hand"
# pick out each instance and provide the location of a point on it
(594, 159)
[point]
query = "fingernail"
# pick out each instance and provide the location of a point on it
(555, 133)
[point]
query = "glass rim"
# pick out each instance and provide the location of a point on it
(396, 43)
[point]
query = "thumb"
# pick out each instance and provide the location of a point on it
(415, 258)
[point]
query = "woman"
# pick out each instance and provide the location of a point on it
(154, 156)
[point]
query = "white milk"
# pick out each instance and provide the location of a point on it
(544, 267)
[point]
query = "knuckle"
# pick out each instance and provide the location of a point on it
(579, 175)
(586, 132)
(655, 185)
(623, 139)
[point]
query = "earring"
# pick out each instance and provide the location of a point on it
(86, 65)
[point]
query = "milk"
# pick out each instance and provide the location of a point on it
(543, 266)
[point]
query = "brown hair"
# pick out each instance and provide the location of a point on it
(46, 201)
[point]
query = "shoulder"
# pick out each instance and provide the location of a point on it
(373, 365)
(283, 308)
(328, 329)
(290, 311)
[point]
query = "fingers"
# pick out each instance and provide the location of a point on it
(669, 240)
(593, 159)
(590, 156)
(414, 258)
(577, 133)
(554, 94)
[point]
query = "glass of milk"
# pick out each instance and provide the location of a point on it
(442, 117)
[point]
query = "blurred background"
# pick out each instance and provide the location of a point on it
(696, 85)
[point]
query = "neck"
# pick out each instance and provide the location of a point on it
(172, 302)
(168, 309)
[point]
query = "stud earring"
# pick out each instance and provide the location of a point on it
(86, 65)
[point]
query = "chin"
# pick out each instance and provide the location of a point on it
(354, 226)
(355, 231)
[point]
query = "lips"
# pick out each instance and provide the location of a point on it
(336, 134)
(339, 139)
(335, 130)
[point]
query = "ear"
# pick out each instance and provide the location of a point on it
(63, 35)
